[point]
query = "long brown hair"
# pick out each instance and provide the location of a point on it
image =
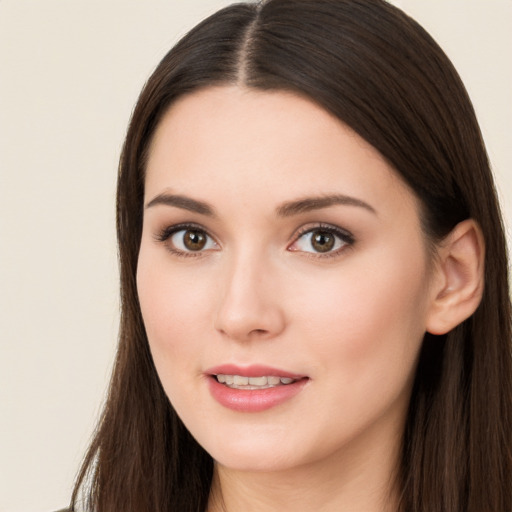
(378, 71)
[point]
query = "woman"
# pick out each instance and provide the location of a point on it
(314, 277)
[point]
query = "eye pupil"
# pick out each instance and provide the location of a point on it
(194, 240)
(322, 241)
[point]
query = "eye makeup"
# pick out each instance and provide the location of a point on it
(321, 240)
(318, 240)
(194, 242)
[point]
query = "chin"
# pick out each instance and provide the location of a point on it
(255, 461)
(253, 455)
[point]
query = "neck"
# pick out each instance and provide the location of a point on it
(361, 479)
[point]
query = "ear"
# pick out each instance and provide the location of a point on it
(458, 282)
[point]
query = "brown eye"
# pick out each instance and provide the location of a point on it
(322, 241)
(194, 240)
(188, 240)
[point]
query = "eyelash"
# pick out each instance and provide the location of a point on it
(345, 236)
(166, 233)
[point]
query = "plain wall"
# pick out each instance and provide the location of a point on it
(70, 72)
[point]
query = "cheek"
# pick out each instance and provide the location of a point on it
(369, 316)
(171, 307)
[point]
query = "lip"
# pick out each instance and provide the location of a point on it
(253, 400)
(255, 370)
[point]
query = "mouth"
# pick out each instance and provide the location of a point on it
(253, 383)
(253, 388)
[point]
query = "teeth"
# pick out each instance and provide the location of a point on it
(263, 382)
(240, 381)
(258, 381)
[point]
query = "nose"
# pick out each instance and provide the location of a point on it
(249, 307)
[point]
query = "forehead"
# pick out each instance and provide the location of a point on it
(264, 146)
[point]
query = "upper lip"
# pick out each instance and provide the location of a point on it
(254, 370)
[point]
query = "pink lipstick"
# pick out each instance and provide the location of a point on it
(253, 388)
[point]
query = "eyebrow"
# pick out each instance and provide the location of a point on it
(287, 209)
(183, 202)
(308, 204)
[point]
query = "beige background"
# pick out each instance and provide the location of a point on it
(70, 72)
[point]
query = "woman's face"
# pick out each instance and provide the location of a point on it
(282, 256)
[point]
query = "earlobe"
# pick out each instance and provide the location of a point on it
(459, 280)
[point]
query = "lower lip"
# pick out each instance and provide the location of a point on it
(254, 400)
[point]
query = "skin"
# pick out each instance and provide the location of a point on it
(352, 320)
